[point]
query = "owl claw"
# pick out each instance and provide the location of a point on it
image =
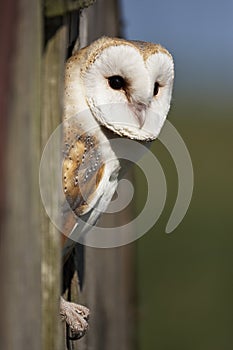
(76, 317)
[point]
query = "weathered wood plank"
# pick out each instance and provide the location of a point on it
(53, 71)
(104, 18)
(21, 235)
(61, 7)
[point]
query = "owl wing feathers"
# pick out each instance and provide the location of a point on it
(88, 182)
(83, 172)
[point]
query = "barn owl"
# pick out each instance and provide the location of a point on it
(113, 88)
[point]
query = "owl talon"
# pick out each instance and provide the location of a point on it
(76, 317)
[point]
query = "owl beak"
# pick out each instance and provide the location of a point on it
(139, 110)
(141, 117)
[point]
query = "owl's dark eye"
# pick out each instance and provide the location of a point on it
(156, 88)
(116, 82)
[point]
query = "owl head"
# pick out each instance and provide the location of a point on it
(127, 85)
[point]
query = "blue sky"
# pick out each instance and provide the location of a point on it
(198, 33)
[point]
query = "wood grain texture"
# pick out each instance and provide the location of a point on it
(53, 70)
(20, 251)
(61, 7)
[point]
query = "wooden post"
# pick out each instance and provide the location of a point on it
(53, 70)
(20, 251)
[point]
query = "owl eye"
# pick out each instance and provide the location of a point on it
(156, 88)
(116, 82)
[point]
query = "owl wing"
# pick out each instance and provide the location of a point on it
(88, 182)
(83, 170)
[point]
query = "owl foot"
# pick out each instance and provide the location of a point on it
(76, 317)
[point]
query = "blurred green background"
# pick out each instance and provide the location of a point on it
(185, 279)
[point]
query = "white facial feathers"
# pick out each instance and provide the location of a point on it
(127, 86)
(124, 61)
